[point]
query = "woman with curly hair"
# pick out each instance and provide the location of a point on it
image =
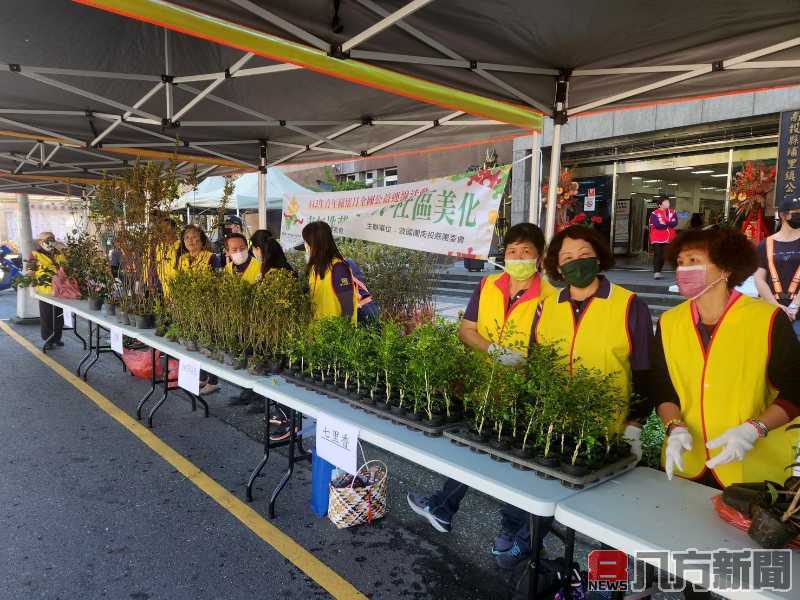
(726, 380)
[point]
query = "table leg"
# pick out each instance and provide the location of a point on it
(267, 432)
(52, 328)
(195, 399)
(286, 476)
(89, 351)
(153, 382)
(536, 551)
(163, 398)
(96, 353)
(75, 330)
(569, 556)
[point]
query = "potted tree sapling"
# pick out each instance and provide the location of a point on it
(543, 385)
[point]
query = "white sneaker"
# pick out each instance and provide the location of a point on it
(656, 275)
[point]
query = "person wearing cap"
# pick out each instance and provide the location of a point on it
(330, 281)
(240, 260)
(47, 258)
(725, 369)
(497, 321)
(663, 222)
(778, 274)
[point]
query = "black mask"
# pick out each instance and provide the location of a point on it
(794, 221)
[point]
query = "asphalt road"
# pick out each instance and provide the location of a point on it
(88, 511)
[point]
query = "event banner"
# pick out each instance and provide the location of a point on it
(449, 215)
(787, 182)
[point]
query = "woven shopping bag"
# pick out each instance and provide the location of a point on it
(359, 499)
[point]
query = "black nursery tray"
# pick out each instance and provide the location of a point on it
(571, 481)
(431, 431)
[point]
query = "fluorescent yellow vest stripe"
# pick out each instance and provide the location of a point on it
(513, 329)
(252, 273)
(46, 266)
(599, 340)
(201, 263)
(324, 302)
(726, 386)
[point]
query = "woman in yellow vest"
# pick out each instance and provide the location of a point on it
(330, 282)
(195, 256)
(596, 323)
(194, 252)
(167, 252)
(48, 258)
(726, 369)
(240, 260)
(269, 254)
(498, 320)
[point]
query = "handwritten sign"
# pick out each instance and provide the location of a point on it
(189, 375)
(69, 318)
(115, 334)
(589, 201)
(337, 442)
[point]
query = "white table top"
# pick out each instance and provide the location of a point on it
(643, 511)
(519, 488)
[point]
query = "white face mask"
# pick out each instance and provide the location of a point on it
(239, 258)
(308, 254)
(47, 245)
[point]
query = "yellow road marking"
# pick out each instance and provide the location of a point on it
(301, 558)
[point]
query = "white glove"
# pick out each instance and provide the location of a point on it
(678, 442)
(738, 441)
(505, 356)
(632, 435)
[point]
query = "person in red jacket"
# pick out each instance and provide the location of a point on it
(663, 222)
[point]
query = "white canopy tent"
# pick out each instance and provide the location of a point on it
(245, 192)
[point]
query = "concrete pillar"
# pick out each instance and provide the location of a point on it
(27, 308)
(262, 199)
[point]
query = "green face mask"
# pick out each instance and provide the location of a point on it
(581, 272)
(521, 269)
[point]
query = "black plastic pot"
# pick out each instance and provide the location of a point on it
(239, 363)
(160, 331)
(550, 460)
(527, 453)
(503, 444)
(190, 345)
(95, 303)
(275, 366)
(768, 530)
(206, 351)
(455, 416)
(741, 498)
(124, 318)
(255, 366)
(144, 321)
(366, 399)
(415, 416)
(397, 410)
(579, 469)
(472, 434)
(111, 309)
(218, 355)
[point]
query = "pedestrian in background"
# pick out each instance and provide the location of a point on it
(778, 274)
(47, 258)
(663, 223)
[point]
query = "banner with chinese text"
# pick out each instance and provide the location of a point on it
(787, 180)
(452, 215)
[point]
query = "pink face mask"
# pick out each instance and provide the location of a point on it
(692, 281)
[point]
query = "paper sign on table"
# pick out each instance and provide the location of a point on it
(189, 375)
(337, 442)
(115, 333)
(69, 317)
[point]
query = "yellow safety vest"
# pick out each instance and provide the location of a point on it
(252, 274)
(166, 264)
(47, 266)
(324, 301)
(510, 328)
(201, 263)
(724, 386)
(598, 340)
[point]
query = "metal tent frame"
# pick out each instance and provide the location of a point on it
(350, 57)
